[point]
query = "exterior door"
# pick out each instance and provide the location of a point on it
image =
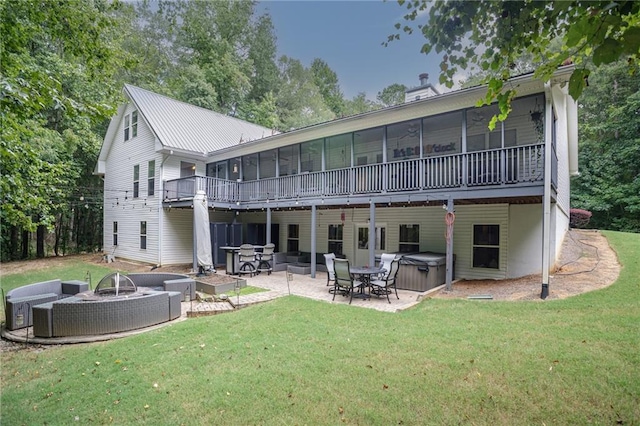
(361, 243)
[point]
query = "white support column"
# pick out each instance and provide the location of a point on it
(313, 240)
(268, 240)
(372, 233)
(195, 236)
(546, 197)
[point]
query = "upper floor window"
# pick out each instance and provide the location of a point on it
(131, 125)
(409, 238)
(136, 181)
(187, 169)
(151, 178)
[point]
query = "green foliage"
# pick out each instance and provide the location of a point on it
(495, 36)
(392, 95)
(359, 104)
(58, 63)
(609, 183)
(327, 81)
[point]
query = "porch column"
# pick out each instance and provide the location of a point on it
(546, 197)
(313, 240)
(372, 233)
(268, 225)
(195, 236)
(449, 220)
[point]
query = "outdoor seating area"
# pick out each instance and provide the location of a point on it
(119, 303)
(363, 281)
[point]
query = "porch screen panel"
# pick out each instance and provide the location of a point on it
(338, 151)
(288, 160)
(478, 127)
(367, 146)
(267, 164)
(441, 142)
(311, 156)
(233, 168)
(403, 141)
(250, 167)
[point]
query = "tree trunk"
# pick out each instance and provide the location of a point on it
(40, 233)
(25, 245)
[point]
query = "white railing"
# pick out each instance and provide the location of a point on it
(508, 166)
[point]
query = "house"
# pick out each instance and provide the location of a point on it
(382, 176)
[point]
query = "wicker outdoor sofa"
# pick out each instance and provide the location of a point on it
(62, 314)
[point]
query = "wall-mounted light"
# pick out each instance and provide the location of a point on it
(235, 168)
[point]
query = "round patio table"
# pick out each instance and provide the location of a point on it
(365, 272)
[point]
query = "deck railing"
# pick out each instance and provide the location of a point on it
(507, 166)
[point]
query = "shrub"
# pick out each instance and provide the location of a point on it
(579, 218)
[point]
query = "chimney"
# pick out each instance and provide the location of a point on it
(423, 78)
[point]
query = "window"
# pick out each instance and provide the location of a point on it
(293, 237)
(115, 233)
(486, 246)
(143, 235)
(131, 125)
(409, 238)
(127, 125)
(363, 238)
(335, 239)
(136, 181)
(134, 124)
(151, 178)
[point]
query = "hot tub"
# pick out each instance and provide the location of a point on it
(422, 271)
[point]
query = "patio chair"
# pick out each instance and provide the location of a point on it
(265, 257)
(344, 282)
(328, 260)
(384, 286)
(247, 257)
(385, 263)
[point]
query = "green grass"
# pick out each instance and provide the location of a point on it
(298, 361)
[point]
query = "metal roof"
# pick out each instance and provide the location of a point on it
(179, 125)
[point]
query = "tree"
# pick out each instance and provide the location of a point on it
(58, 62)
(299, 100)
(609, 184)
(327, 82)
(493, 36)
(392, 95)
(359, 104)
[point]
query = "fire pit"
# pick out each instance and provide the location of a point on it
(112, 286)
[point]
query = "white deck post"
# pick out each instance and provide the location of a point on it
(268, 225)
(313, 240)
(546, 197)
(372, 233)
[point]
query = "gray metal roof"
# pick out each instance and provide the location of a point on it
(182, 126)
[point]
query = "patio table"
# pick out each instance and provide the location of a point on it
(364, 272)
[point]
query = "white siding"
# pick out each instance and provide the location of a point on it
(525, 240)
(177, 236)
(119, 204)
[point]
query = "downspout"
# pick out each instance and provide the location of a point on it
(546, 197)
(313, 240)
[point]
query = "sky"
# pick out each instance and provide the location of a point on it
(348, 36)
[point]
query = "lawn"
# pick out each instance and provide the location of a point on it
(299, 361)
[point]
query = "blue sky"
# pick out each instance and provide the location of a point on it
(348, 36)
